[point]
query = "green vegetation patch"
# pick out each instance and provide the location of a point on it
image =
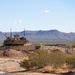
(70, 61)
(43, 58)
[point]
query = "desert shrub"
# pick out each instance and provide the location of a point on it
(43, 58)
(36, 60)
(56, 59)
(25, 64)
(39, 59)
(70, 60)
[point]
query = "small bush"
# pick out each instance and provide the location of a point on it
(43, 58)
(25, 64)
(56, 59)
(36, 60)
(70, 60)
(39, 59)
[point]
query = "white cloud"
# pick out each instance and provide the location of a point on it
(46, 11)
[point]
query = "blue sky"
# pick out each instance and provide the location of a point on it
(37, 15)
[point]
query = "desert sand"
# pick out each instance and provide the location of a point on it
(11, 67)
(10, 59)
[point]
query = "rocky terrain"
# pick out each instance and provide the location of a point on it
(10, 59)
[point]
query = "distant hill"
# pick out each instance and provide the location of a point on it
(2, 37)
(42, 35)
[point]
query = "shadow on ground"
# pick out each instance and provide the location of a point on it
(67, 73)
(20, 71)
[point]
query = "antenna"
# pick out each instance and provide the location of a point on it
(24, 32)
(10, 32)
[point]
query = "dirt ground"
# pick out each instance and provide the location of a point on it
(9, 62)
(24, 73)
(12, 67)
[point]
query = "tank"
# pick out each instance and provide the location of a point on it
(16, 40)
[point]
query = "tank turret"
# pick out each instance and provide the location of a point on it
(15, 40)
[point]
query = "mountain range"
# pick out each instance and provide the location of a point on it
(42, 35)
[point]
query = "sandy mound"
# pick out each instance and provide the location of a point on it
(1, 53)
(13, 53)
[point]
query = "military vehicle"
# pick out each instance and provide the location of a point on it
(18, 43)
(16, 40)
